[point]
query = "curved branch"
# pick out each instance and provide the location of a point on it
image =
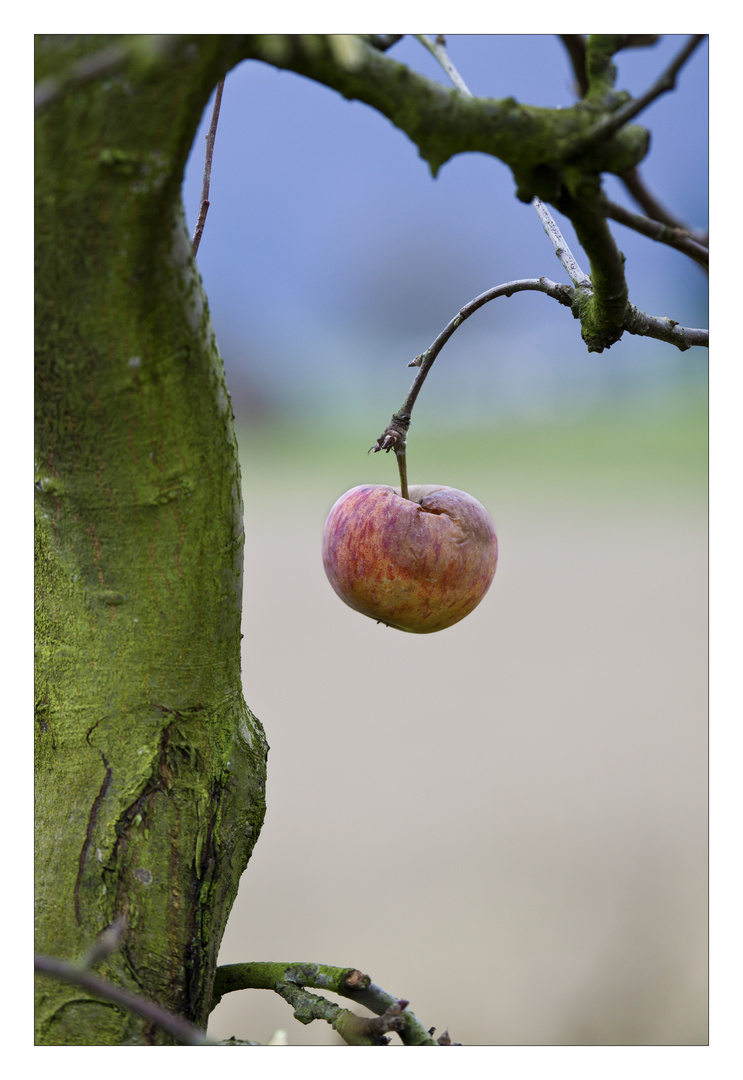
(394, 436)
(674, 236)
(290, 980)
(647, 202)
(663, 329)
(562, 293)
(578, 298)
(442, 123)
(184, 1031)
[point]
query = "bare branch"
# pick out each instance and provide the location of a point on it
(437, 48)
(664, 329)
(394, 435)
(562, 250)
(443, 123)
(637, 188)
(675, 236)
(611, 124)
(186, 1032)
(289, 980)
(210, 137)
(575, 45)
(107, 942)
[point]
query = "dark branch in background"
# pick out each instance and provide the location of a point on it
(210, 136)
(181, 1029)
(382, 42)
(147, 48)
(79, 974)
(655, 210)
(290, 981)
(575, 44)
(675, 236)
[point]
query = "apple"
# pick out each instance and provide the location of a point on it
(419, 564)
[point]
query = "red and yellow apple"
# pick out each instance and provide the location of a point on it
(419, 564)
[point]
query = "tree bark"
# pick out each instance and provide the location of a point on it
(150, 768)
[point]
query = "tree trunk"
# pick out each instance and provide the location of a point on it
(150, 768)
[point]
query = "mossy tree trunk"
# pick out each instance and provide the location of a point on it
(150, 768)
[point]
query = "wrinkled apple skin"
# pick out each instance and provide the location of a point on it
(419, 564)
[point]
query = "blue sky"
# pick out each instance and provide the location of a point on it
(331, 256)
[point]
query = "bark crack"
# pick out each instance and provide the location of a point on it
(89, 834)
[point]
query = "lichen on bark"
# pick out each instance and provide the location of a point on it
(150, 767)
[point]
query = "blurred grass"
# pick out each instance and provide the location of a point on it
(555, 748)
(649, 452)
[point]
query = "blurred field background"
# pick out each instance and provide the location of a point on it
(505, 822)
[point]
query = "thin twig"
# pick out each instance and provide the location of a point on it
(393, 436)
(186, 1032)
(675, 236)
(610, 124)
(210, 136)
(563, 252)
(635, 322)
(437, 48)
(107, 942)
(638, 189)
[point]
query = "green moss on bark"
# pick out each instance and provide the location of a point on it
(150, 767)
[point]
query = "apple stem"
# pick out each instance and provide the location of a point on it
(394, 437)
(402, 466)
